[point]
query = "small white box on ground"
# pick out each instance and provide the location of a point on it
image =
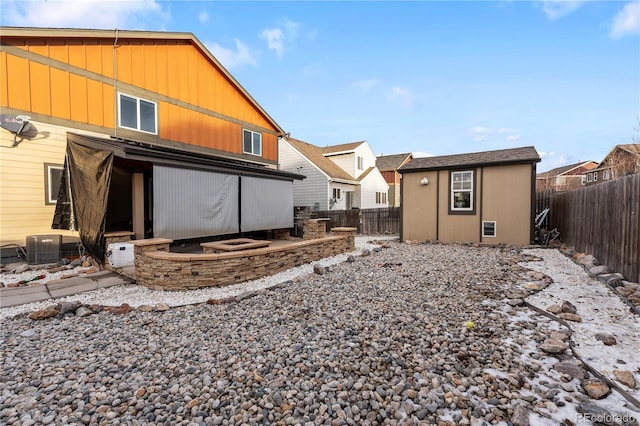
(120, 255)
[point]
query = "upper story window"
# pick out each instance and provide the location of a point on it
(52, 178)
(137, 114)
(462, 191)
(251, 142)
(360, 163)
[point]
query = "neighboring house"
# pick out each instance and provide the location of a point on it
(564, 178)
(165, 149)
(388, 166)
(622, 160)
(483, 197)
(337, 177)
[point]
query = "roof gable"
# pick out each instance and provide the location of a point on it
(341, 149)
(486, 158)
(138, 37)
(315, 155)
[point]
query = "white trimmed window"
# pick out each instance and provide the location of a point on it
(137, 114)
(251, 142)
(595, 176)
(462, 191)
(381, 198)
(52, 177)
(605, 174)
(589, 177)
(360, 163)
(489, 228)
(336, 193)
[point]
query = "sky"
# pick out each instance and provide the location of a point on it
(428, 77)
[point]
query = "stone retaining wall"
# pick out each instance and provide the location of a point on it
(159, 269)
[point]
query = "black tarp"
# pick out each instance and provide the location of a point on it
(89, 174)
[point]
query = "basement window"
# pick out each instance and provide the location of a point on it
(251, 142)
(137, 114)
(488, 228)
(52, 177)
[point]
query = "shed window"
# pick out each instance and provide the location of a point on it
(137, 114)
(589, 177)
(462, 191)
(251, 142)
(595, 176)
(488, 228)
(605, 174)
(52, 177)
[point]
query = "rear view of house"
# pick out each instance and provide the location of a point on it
(186, 151)
(338, 177)
(483, 197)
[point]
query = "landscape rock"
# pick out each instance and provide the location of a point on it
(553, 346)
(66, 307)
(598, 270)
(554, 309)
(319, 269)
(595, 388)
(43, 314)
(625, 377)
(569, 308)
(570, 368)
(606, 338)
(570, 317)
(83, 311)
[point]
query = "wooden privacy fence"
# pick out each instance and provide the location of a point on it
(368, 221)
(602, 220)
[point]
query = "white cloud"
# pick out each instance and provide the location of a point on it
(627, 21)
(84, 14)
(275, 40)
(233, 58)
(555, 9)
(402, 95)
(203, 17)
(480, 134)
(280, 37)
(366, 85)
(544, 154)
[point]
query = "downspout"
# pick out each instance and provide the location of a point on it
(114, 59)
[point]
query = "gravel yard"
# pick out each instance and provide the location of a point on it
(380, 340)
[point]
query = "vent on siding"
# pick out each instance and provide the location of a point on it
(488, 228)
(43, 249)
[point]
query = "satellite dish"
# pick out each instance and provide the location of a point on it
(15, 124)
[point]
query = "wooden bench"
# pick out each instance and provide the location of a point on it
(236, 244)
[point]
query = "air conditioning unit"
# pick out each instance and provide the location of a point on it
(43, 249)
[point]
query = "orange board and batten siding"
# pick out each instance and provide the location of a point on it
(74, 77)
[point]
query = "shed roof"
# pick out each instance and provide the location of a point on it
(387, 163)
(314, 154)
(526, 154)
